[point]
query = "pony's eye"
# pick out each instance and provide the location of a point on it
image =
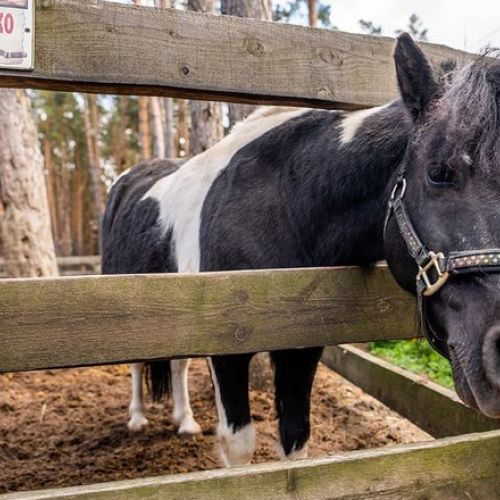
(441, 176)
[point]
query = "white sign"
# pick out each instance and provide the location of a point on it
(16, 34)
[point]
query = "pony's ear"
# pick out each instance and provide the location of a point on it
(416, 80)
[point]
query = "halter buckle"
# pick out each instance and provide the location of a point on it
(434, 260)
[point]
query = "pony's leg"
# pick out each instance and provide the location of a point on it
(294, 376)
(236, 431)
(137, 419)
(182, 414)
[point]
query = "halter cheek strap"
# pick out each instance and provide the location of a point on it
(464, 262)
(435, 268)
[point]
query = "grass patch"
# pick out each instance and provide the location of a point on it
(416, 356)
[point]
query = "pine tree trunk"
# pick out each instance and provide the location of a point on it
(313, 13)
(257, 9)
(90, 123)
(167, 104)
(168, 128)
(206, 116)
(119, 143)
(183, 138)
(49, 182)
(144, 132)
(25, 227)
(158, 132)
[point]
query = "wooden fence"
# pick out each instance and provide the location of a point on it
(93, 46)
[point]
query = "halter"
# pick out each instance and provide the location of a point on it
(441, 266)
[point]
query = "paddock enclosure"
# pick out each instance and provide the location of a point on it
(95, 46)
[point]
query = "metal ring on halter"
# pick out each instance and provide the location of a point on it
(401, 183)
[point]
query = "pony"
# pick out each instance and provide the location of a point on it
(301, 188)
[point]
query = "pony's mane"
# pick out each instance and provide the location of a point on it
(470, 107)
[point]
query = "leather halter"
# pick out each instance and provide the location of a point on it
(441, 266)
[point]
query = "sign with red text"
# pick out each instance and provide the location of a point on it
(16, 34)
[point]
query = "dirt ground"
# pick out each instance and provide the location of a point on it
(62, 428)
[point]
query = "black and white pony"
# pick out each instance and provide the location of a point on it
(298, 188)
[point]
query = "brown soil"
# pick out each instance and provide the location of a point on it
(69, 427)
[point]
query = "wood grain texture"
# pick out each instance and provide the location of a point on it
(462, 468)
(96, 46)
(431, 407)
(113, 319)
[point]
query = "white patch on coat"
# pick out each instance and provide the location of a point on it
(236, 447)
(182, 413)
(353, 121)
(137, 419)
(181, 195)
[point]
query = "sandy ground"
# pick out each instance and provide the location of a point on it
(68, 427)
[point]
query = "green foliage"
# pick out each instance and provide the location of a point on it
(415, 27)
(369, 28)
(416, 356)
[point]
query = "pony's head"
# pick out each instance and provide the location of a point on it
(442, 235)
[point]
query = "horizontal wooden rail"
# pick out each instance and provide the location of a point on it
(97, 46)
(461, 468)
(433, 408)
(48, 323)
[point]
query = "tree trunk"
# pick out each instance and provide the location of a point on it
(313, 13)
(119, 142)
(158, 132)
(206, 116)
(168, 129)
(257, 9)
(49, 182)
(182, 139)
(144, 132)
(25, 228)
(167, 104)
(90, 123)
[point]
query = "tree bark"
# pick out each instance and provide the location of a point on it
(144, 132)
(25, 227)
(182, 138)
(158, 132)
(91, 122)
(313, 13)
(167, 104)
(257, 9)
(206, 116)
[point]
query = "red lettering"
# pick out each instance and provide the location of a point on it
(9, 23)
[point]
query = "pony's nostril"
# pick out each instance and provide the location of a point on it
(491, 355)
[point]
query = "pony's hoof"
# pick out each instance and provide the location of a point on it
(189, 427)
(137, 422)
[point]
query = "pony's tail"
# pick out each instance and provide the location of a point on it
(158, 376)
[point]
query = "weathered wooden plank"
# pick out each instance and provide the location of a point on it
(433, 408)
(96, 46)
(460, 468)
(106, 319)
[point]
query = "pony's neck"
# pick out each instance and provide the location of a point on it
(348, 207)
